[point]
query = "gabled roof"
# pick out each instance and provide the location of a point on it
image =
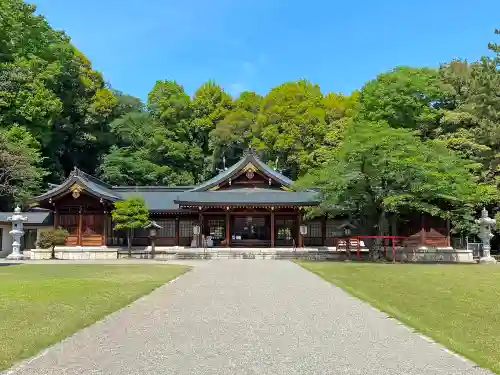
(83, 181)
(166, 198)
(249, 158)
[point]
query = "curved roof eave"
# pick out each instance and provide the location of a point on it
(63, 188)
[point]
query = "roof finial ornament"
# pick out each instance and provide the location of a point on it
(250, 151)
(224, 163)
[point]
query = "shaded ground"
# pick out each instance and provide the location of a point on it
(458, 305)
(42, 304)
(247, 317)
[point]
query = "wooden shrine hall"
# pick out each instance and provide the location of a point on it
(247, 205)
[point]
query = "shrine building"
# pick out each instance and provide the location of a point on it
(248, 205)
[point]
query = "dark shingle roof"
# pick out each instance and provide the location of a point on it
(37, 217)
(248, 196)
(155, 200)
(91, 184)
(165, 198)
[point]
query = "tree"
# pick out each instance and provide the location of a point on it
(128, 215)
(50, 88)
(51, 238)
(405, 97)
(371, 177)
(291, 124)
(210, 105)
(339, 110)
(234, 133)
(20, 166)
(155, 146)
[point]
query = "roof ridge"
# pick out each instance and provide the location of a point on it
(79, 173)
(151, 187)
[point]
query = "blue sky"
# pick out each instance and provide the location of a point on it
(256, 45)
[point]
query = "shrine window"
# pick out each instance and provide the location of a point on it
(167, 228)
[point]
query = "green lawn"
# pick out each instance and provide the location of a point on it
(42, 304)
(457, 305)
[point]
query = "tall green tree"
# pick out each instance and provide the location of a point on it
(380, 171)
(20, 166)
(236, 131)
(211, 104)
(405, 97)
(291, 124)
(50, 88)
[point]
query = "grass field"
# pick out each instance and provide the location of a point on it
(457, 305)
(42, 304)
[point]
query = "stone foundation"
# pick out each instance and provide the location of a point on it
(75, 253)
(421, 255)
(432, 255)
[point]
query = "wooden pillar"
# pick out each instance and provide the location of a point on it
(177, 232)
(323, 230)
(228, 228)
(299, 223)
(273, 230)
(200, 236)
(80, 224)
(56, 218)
(105, 231)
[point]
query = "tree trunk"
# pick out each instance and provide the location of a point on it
(53, 253)
(376, 249)
(129, 243)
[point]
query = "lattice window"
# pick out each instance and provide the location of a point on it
(167, 228)
(284, 229)
(29, 239)
(217, 228)
(314, 229)
(141, 232)
(186, 228)
(333, 230)
(284, 234)
(92, 224)
(70, 223)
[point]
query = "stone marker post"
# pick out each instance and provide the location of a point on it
(485, 225)
(17, 232)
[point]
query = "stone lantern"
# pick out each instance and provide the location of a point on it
(152, 227)
(485, 225)
(17, 232)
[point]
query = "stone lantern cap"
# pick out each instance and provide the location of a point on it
(485, 219)
(17, 215)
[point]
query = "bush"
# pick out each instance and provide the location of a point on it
(49, 239)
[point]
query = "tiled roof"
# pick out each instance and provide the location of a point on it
(250, 196)
(35, 217)
(166, 198)
(91, 184)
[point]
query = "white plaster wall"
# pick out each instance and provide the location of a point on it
(6, 245)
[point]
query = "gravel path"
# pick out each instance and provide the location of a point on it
(247, 317)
